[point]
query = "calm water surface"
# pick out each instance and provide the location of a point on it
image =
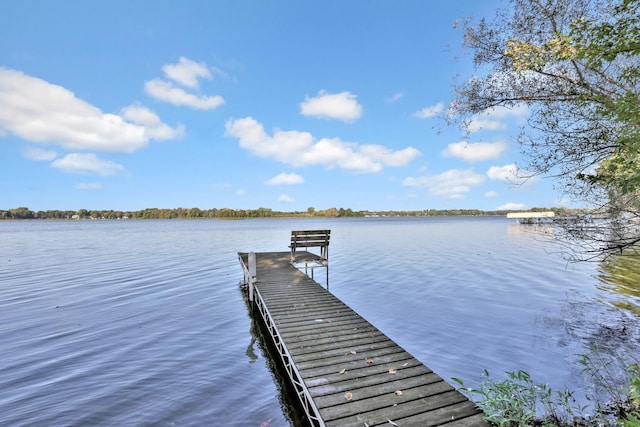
(135, 323)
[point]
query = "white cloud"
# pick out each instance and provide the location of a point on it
(167, 92)
(153, 126)
(478, 123)
(342, 106)
(87, 164)
(89, 186)
(285, 199)
(512, 207)
(38, 154)
(38, 111)
(491, 194)
(187, 72)
(503, 173)
(507, 173)
(383, 155)
(395, 97)
(428, 112)
(452, 184)
(301, 149)
(241, 192)
(519, 112)
(286, 179)
(475, 151)
(496, 118)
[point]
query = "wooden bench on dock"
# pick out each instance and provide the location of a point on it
(302, 240)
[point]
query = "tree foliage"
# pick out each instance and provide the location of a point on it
(575, 65)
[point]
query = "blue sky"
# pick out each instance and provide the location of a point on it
(245, 104)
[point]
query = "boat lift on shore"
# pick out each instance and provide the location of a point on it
(532, 217)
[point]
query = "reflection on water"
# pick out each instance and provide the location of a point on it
(621, 275)
(542, 229)
(287, 396)
(608, 327)
(251, 354)
(612, 328)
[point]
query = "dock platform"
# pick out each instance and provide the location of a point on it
(345, 371)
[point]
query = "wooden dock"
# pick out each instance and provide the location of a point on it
(344, 370)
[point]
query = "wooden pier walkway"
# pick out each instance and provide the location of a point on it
(344, 370)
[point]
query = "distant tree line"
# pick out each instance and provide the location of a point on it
(227, 213)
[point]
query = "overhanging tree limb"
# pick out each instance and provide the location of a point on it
(575, 63)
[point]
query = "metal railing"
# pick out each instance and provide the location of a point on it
(256, 299)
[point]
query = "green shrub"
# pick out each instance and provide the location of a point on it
(516, 400)
(632, 416)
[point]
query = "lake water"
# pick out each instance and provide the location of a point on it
(135, 323)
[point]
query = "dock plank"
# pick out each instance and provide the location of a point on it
(351, 351)
(345, 370)
(343, 359)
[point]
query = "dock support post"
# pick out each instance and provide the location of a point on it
(327, 268)
(252, 275)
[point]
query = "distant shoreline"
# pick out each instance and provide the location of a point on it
(24, 213)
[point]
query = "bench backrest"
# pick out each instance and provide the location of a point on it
(310, 238)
